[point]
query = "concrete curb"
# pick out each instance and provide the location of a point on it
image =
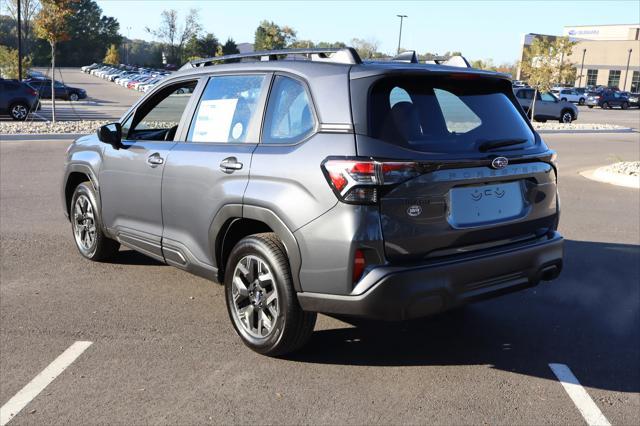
(40, 136)
(618, 179)
(625, 130)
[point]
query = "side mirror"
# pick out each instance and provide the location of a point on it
(112, 134)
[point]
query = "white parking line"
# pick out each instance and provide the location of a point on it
(41, 381)
(579, 396)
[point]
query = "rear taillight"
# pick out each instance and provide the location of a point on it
(359, 264)
(360, 181)
(32, 92)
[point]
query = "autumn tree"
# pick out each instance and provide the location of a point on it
(9, 62)
(545, 63)
(270, 36)
(51, 24)
(112, 57)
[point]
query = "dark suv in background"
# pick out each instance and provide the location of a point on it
(386, 190)
(606, 99)
(17, 99)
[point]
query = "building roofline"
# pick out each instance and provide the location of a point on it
(602, 25)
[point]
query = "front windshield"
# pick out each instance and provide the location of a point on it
(441, 114)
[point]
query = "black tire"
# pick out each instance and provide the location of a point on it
(581, 101)
(590, 106)
(566, 117)
(102, 247)
(605, 105)
(73, 97)
(292, 327)
(19, 111)
(625, 105)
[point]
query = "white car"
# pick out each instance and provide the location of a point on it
(568, 94)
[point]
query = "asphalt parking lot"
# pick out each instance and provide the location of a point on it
(105, 100)
(163, 350)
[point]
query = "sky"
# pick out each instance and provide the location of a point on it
(479, 29)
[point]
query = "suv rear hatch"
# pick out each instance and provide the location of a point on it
(439, 142)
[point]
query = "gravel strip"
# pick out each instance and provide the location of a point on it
(576, 126)
(60, 127)
(90, 126)
(627, 168)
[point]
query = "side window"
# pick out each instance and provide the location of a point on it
(158, 118)
(457, 115)
(289, 116)
(227, 110)
(548, 97)
(398, 94)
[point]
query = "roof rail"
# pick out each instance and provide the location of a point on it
(347, 55)
(453, 61)
(408, 56)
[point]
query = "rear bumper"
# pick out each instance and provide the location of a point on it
(417, 291)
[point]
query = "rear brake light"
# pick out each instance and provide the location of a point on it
(359, 264)
(32, 92)
(359, 181)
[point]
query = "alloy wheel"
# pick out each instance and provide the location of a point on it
(73, 97)
(19, 112)
(255, 297)
(566, 117)
(84, 223)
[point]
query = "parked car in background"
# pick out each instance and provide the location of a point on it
(568, 94)
(17, 99)
(518, 83)
(88, 68)
(606, 99)
(633, 99)
(547, 106)
(43, 86)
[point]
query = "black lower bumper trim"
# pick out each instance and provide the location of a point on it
(424, 290)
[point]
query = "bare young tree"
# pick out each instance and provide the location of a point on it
(28, 11)
(51, 24)
(367, 49)
(175, 35)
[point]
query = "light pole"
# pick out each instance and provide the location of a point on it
(400, 35)
(626, 73)
(581, 68)
(128, 44)
(19, 42)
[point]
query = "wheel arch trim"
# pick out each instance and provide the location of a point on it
(266, 216)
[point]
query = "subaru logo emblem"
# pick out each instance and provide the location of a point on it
(414, 211)
(499, 163)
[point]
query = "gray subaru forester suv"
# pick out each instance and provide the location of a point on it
(309, 181)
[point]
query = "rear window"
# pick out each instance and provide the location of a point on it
(440, 114)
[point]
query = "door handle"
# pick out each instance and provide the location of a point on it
(155, 160)
(230, 165)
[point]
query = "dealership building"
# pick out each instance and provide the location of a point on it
(604, 55)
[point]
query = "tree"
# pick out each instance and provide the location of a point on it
(175, 36)
(91, 34)
(230, 47)
(545, 63)
(28, 11)
(367, 49)
(9, 62)
(270, 36)
(112, 57)
(201, 47)
(51, 25)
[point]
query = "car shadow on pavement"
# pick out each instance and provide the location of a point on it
(588, 319)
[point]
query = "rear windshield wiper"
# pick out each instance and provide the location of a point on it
(499, 143)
